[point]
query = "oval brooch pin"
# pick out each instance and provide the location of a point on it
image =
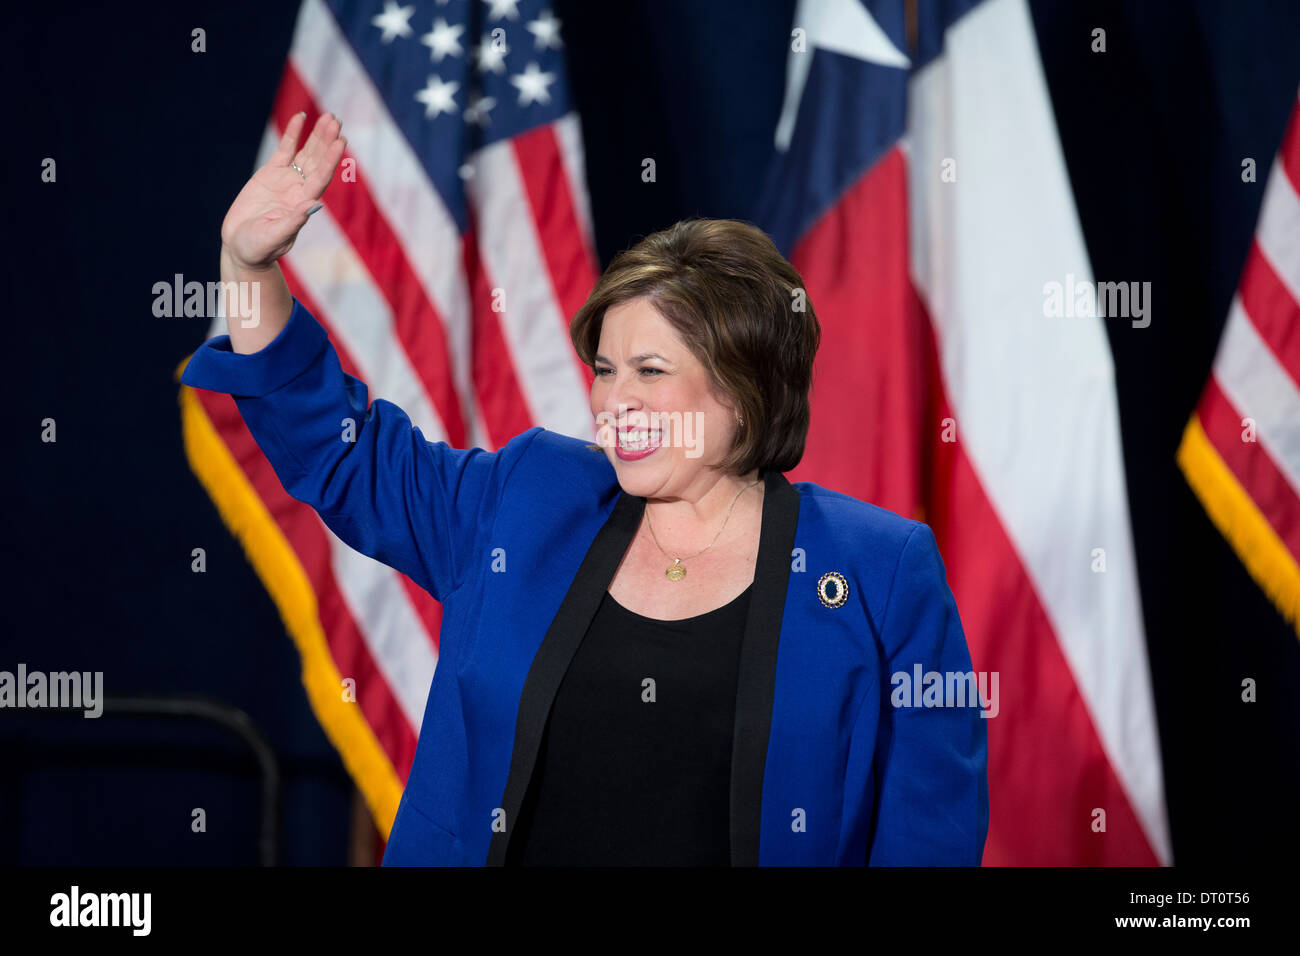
(833, 589)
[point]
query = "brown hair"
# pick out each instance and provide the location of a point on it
(741, 309)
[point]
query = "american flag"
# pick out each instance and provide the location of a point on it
(1241, 448)
(454, 244)
(920, 190)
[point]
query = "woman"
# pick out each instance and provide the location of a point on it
(656, 649)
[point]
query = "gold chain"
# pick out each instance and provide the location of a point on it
(676, 571)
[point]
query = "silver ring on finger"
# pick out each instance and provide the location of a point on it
(297, 169)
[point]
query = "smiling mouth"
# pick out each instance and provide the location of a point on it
(638, 439)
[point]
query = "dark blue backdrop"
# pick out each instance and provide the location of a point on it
(152, 142)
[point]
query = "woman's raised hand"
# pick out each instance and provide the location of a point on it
(273, 206)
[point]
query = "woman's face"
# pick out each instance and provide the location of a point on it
(658, 416)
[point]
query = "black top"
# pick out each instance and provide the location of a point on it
(635, 761)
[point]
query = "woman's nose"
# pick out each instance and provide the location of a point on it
(623, 396)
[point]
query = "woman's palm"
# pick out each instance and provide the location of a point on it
(265, 218)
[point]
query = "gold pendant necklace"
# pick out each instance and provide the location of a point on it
(676, 571)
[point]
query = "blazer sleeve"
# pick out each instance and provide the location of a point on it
(418, 506)
(932, 800)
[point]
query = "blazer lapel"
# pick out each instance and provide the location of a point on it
(556, 652)
(756, 683)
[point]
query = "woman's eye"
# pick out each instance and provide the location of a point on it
(600, 372)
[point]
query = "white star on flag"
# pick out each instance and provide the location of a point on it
(394, 21)
(532, 85)
(547, 30)
(442, 39)
(503, 8)
(489, 57)
(841, 26)
(437, 97)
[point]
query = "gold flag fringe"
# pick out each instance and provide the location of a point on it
(282, 574)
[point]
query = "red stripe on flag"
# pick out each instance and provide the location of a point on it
(505, 411)
(418, 326)
(868, 387)
(307, 536)
(1252, 465)
(569, 262)
(1271, 309)
(429, 610)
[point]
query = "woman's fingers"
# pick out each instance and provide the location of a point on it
(319, 156)
(288, 142)
(321, 171)
(309, 147)
(325, 132)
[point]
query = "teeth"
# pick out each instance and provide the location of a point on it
(638, 437)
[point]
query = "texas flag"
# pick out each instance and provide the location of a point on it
(919, 187)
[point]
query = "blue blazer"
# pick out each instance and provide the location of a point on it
(826, 769)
